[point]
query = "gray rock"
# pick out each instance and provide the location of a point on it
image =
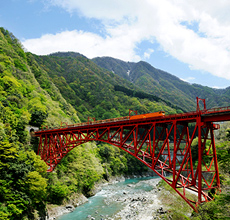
(161, 211)
(69, 206)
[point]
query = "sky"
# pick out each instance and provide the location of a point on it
(187, 38)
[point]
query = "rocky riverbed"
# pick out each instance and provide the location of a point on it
(121, 199)
(137, 204)
(132, 199)
(144, 205)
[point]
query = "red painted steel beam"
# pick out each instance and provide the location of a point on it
(163, 119)
(161, 143)
(149, 142)
(218, 117)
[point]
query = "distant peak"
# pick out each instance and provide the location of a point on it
(67, 54)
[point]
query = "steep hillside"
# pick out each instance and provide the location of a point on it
(37, 91)
(163, 84)
(25, 100)
(25, 86)
(96, 92)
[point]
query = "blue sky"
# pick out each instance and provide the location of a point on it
(189, 39)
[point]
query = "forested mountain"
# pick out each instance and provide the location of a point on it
(36, 91)
(96, 92)
(64, 87)
(165, 85)
(24, 101)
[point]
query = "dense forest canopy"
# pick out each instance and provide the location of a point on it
(96, 92)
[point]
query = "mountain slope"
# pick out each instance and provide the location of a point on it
(96, 92)
(25, 101)
(163, 84)
(29, 98)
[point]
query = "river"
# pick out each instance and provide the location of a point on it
(123, 200)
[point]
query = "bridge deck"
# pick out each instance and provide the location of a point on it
(210, 115)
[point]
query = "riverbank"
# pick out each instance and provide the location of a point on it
(138, 199)
(54, 211)
(141, 204)
(162, 202)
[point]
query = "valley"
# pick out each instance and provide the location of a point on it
(68, 88)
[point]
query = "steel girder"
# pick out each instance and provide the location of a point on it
(163, 146)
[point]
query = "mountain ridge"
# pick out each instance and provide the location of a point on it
(159, 83)
(165, 85)
(96, 92)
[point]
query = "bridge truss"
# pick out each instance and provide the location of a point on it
(161, 143)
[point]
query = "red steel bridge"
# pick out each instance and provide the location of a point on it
(163, 143)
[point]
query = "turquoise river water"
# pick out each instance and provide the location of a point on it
(106, 203)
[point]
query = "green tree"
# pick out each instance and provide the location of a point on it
(7, 154)
(36, 186)
(223, 153)
(57, 193)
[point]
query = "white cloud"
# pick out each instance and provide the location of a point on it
(100, 9)
(188, 79)
(148, 53)
(218, 87)
(89, 44)
(128, 23)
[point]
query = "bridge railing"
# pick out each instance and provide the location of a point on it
(216, 110)
(187, 114)
(65, 125)
(97, 122)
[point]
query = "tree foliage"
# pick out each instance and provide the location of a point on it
(219, 208)
(23, 102)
